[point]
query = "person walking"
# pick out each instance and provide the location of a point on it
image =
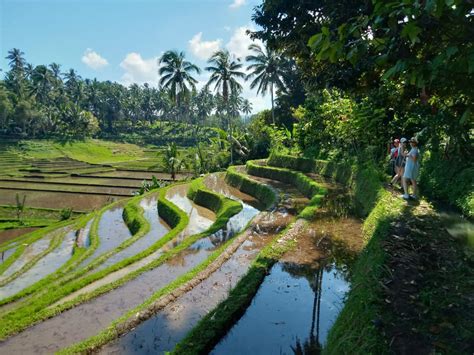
(412, 168)
(399, 161)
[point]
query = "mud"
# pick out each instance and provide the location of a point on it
(83, 237)
(45, 266)
(89, 318)
(9, 234)
(112, 232)
(47, 186)
(76, 201)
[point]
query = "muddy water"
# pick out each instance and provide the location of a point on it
(158, 228)
(197, 224)
(89, 318)
(42, 268)
(164, 330)
(200, 218)
(293, 309)
(82, 235)
(300, 299)
(112, 232)
(30, 252)
(9, 234)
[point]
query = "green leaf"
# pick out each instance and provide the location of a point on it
(411, 30)
(314, 41)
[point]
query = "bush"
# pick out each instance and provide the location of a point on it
(448, 180)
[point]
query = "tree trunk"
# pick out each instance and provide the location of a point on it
(273, 113)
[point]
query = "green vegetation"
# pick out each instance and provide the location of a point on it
(307, 186)
(355, 328)
(225, 209)
(262, 192)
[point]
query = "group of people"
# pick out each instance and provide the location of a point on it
(406, 165)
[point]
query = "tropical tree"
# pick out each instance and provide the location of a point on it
(176, 75)
(224, 74)
(268, 69)
(16, 58)
(171, 160)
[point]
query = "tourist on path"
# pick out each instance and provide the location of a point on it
(399, 161)
(412, 167)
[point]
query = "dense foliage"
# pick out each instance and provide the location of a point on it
(375, 70)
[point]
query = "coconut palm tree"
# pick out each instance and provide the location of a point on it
(17, 60)
(175, 74)
(267, 66)
(224, 74)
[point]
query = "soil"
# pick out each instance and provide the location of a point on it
(428, 295)
(9, 234)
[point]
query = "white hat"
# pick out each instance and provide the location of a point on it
(403, 140)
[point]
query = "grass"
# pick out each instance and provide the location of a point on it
(264, 193)
(78, 255)
(6, 224)
(225, 208)
(54, 243)
(36, 310)
(363, 178)
(203, 337)
(307, 186)
(355, 328)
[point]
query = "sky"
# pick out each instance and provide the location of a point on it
(121, 40)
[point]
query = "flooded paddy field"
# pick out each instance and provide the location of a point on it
(314, 277)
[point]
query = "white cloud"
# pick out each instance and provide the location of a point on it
(93, 59)
(139, 70)
(240, 41)
(237, 3)
(203, 49)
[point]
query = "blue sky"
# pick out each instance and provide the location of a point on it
(120, 40)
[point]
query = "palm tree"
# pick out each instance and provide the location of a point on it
(267, 67)
(42, 83)
(225, 72)
(171, 160)
(17, 60)
(175, 74)
(246, 107)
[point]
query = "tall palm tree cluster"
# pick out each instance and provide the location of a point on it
(39, 101)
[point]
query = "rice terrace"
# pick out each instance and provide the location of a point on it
(236, 177)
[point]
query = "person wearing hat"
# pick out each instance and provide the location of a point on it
(399, 155)
(412, 167)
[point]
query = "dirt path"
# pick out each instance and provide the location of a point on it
(428, 294)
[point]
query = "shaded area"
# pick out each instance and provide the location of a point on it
(427, 298)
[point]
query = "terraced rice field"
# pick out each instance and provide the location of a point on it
(146, 274)
(67, 183)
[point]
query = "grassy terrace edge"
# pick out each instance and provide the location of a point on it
(354, 328)
(20, 318)
(202, 338)
(224, 208)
